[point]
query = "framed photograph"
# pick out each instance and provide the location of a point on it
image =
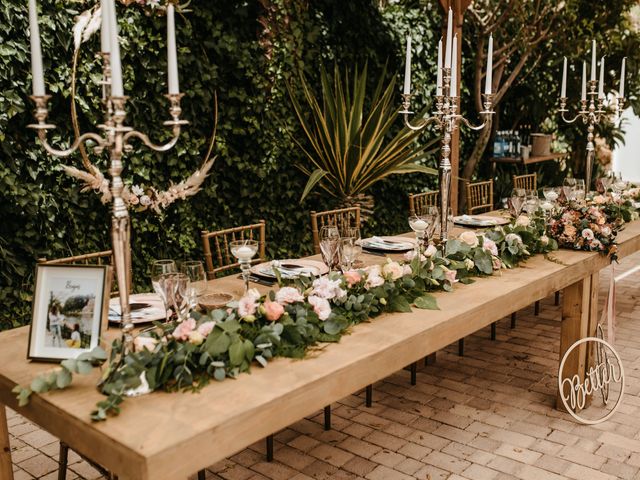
(69, 309)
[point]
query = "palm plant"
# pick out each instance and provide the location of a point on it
(350, 149)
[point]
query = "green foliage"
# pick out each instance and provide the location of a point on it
(350, 135)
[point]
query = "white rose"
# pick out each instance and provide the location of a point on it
(430, 251)
(523, 221)
(470, 238)
(374, 277)
(393, 270)
(196, 338)
(544, 240)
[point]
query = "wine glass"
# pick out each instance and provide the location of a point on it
(159, 269)
(177, 287)
(568, 188)
(579, 192)
(330, 245)
(350, 247)
(244, 250)
(550, 194)
(516, 201)
(619, 185)
(531, 202)
(194, 269)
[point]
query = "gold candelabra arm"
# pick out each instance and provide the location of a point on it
(41, 113)
(563, 111)
(175, 123)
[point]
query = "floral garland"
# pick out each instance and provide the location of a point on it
(302, 313)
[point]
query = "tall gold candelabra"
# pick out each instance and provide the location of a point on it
(591, 112)
(115, 137)
(446, 119)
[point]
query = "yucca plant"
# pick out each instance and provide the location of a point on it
(350, 149)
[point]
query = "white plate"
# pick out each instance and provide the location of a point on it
(150, 308)
(388, 244)
(479, 220)
(291, 268)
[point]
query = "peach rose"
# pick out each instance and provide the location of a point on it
(183, 329)
(144, 343)
(352, 277)
(273, 310)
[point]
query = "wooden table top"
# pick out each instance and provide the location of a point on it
(172, 435)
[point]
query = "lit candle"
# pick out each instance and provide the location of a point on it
(584, 81)
(454, 67)
(563, 93)
(36, 52)
(105, 34)
(439, 75)
(624, 63)
(601, 83)
(593, 60)
(407, 68)
(447, 52)
(172, 56)
(488, 86)
(116, 68)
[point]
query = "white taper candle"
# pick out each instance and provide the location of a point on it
(37, 71)
(584, 81)
(593, 60)
(172, 55)
(454, 67)
(407, 68)
(439, 74)
(116, 67)
(105, 35)
(624, 64)
(447, 51)
(488, 86)
(601, 82)
(563, 91)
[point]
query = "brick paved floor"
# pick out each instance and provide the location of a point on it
(487, 415)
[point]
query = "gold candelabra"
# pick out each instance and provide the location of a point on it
(446, 119)
(115, 137)
(591, 112)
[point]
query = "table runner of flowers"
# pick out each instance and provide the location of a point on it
(307, 311)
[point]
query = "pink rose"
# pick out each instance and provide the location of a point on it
(247, 305)
(490, 246)
(450, 275)
(392, 269)
(406, 270)
(183, 329)
(144, 343)
(430, 251)
(206, 328)
(324, 287)
(321, 306)
(273, 310)
(287, 295)
(496, 262)
(352, 277)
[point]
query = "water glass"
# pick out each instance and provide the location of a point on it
(194, 269)
(177, 287)
(159, 269)
(516, 201)
(579, 192)
(568, 188)
(330, 246)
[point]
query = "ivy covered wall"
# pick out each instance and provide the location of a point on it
(243, 50)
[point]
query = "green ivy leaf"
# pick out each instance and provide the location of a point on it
(399, 304)
(426, 302)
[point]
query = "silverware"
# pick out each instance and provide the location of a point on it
(371, 252)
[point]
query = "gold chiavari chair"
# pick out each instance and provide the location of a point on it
(341, 218)
(419, 202)
(96, 258)
(218, 259)
(479, 197)
(526, 182)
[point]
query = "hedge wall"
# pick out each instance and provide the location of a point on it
(244, 51)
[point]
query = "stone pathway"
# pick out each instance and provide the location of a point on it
(487, 415)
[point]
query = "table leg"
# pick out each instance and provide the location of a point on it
(579, 320)
(6, 470)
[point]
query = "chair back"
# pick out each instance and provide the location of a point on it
(340, 218)
(419, 202)
(218, 258)
(479, 197)
(526, 182)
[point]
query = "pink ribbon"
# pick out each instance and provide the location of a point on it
(609, 310)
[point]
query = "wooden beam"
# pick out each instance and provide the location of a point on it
(6, 471)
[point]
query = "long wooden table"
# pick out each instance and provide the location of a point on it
(169, 436)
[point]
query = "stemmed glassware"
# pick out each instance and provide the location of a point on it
(516, 201)
(244, 250)
(423, 225)
(194, 269)
(330, 245)
(350, 247)
(160, 270)
(580, 192)
(178, 286)
(568, 188)
(531, 202)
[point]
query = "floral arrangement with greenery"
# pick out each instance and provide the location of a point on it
(288, 322)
